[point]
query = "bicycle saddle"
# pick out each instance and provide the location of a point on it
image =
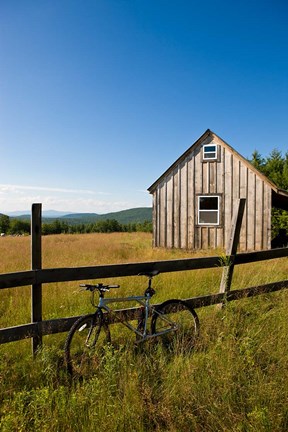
(149, 274)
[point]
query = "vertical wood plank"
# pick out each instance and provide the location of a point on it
(176, 209)
(204, 237)
(157, 217)
(259, 214)
(212, 177)
(223, 178)
(262, 228)
(267, 214)
(169, 212)
(154, 218)
(219, 237)
(228, 195)
(183, 206)
(251, 211)
(179, 206)
(36, 264)
(162, 226)
(173, 211)
(197, 191)
(191, 202)
(243, 194)
(166, 213)
(187, 203)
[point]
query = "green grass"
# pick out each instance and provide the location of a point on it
(235, 380)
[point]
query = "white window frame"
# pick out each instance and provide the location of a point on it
(207, 210)
(210, 152)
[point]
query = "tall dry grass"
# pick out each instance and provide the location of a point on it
(235, 380)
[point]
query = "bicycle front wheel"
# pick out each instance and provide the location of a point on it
(84, 344)
(177, 324)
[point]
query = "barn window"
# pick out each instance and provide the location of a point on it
(209, 152)
(208, 210)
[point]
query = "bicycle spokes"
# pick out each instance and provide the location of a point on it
(84, 346)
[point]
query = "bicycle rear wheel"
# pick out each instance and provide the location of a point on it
(177, 324)
(84, 344)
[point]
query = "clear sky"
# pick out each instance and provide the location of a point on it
(99, 97)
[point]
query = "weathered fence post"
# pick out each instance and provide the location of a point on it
(231, 250)
(36, 264)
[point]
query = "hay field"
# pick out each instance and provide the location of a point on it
(235, 380)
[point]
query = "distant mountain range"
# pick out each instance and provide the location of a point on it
(134, 215)
(45, 213)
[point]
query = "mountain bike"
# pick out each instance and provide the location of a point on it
(174, 321)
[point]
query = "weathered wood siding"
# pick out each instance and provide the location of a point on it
(175, 202)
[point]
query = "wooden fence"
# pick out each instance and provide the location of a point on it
(38, 276)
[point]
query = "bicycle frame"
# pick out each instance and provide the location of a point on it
(144, 301)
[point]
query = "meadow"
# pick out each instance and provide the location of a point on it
(234, 380)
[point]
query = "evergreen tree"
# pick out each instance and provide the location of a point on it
(275, 167)
(285, 172)
(257, 160)
(4, 224)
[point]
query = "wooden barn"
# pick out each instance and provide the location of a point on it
(193, 200)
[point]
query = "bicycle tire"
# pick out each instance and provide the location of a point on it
(182, 340)
(84, 344)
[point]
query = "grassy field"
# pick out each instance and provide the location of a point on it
(235, 380)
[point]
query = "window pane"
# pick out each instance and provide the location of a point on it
(208, 217)
(208, 203)
(210, 155)
(211, 148)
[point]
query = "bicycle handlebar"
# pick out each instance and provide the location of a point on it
(99, 287)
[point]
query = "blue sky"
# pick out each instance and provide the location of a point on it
(99, 97)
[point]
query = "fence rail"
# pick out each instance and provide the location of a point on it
(12, 334)
(37, 276)
(30, 277)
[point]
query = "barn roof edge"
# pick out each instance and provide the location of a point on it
(201, 138)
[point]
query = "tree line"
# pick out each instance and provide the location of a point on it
(102, 226)
(18, 227)
(275, 167)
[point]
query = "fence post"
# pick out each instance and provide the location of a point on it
(36, 264)
(231, 249)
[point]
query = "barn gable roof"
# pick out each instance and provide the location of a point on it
(280, 195)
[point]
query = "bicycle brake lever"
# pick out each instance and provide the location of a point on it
(84, 287)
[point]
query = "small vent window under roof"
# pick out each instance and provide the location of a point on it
(209, 152)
